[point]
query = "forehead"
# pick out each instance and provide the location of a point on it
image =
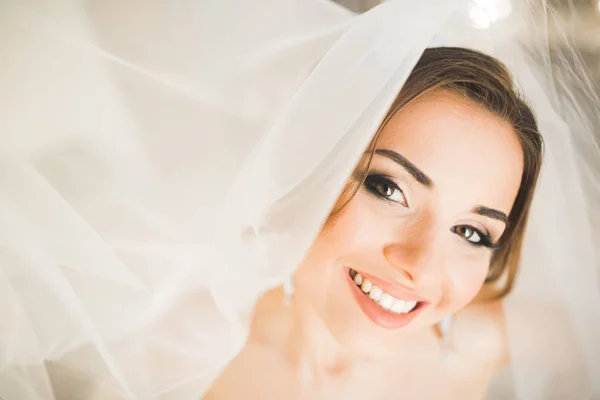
(467, 151)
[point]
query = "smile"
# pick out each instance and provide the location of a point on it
(386, 310)
(385, 300)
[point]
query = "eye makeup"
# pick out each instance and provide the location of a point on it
(383, 187)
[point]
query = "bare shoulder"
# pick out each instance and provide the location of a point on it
(540, 332)
(480, 333)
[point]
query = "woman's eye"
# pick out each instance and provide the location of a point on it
(473, 236)
(386, 189)
(468, 233)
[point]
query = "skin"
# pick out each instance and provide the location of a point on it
(324, 346)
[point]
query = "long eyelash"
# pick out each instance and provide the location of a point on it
(378, 178)
(486, 240)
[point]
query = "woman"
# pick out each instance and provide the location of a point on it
(434, 214)
(171, 165)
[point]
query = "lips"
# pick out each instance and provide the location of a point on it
(390, 309)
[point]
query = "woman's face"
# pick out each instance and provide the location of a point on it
(421, 228)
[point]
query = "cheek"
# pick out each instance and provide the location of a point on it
(349, 231)
(319, 264)
(466, 277)
(341, 240)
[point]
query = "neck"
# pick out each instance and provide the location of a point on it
(302, 338)
(313, 351)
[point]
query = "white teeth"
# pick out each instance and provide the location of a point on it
(385, 300)
(409, 305)
(366, 286)
(375, 293)
(398, 306)
(358, 279)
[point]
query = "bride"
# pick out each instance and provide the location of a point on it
(265, 200)
(435, 210)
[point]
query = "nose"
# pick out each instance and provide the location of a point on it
(415, 254)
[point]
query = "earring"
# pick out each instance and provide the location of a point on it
(446, 347)
(288, 290)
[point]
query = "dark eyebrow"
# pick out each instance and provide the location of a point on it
(408, 166)
(491, 213)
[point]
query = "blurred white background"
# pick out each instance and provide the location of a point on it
(581, 18)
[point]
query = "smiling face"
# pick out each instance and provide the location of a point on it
(422, 226)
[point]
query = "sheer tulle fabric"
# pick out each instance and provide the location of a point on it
(163, 163)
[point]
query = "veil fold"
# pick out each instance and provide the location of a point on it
(164, 163)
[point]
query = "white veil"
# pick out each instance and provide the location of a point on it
(163, 163)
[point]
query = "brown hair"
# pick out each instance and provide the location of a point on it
(487, 82)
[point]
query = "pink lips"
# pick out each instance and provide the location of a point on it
(385, 319)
